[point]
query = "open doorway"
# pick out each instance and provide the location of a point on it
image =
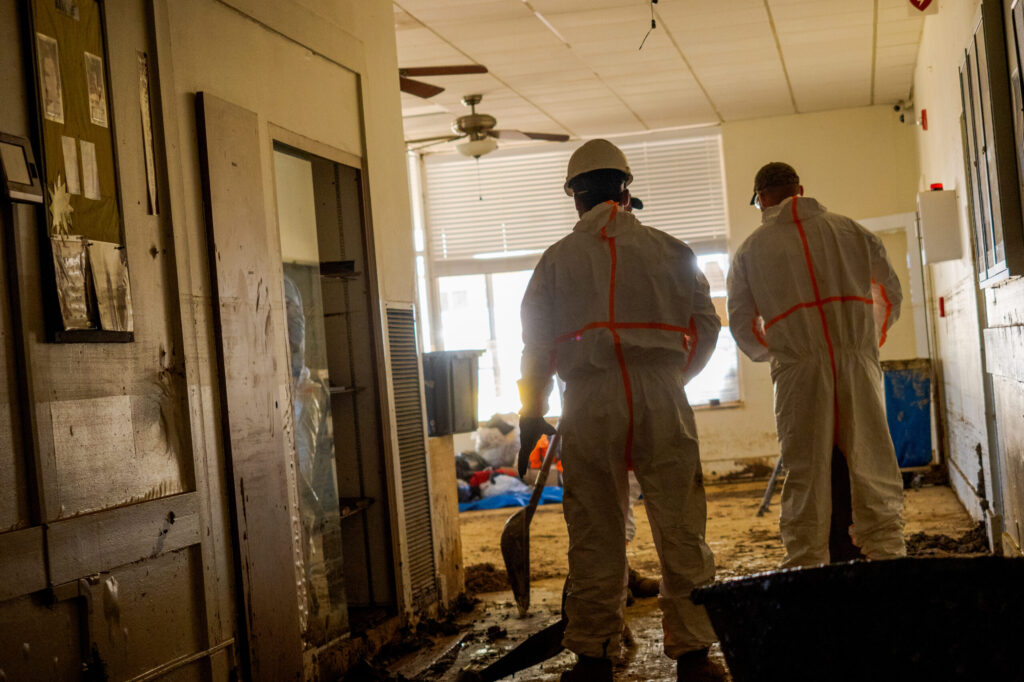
(343, 527)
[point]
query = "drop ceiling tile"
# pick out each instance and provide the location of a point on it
(606, 127)
(742, 107)
(555, 6)
(602, 84)
(713, 15)
(892, 92)
(478, 11)
(525, 33)
(896, 54)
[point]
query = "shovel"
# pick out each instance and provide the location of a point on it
(515, 538)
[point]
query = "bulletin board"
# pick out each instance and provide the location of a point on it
(85, 270)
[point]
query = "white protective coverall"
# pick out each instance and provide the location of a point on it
(624, 315)
(813, 293)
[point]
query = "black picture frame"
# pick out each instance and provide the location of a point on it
(85, 22)
(18, 163)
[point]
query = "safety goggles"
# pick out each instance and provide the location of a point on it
(755, 201)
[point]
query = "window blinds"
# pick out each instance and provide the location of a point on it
(514, 205)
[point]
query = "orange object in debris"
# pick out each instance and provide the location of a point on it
(538, 452)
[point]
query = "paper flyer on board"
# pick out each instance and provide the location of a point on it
(70, 147)
(90, 174)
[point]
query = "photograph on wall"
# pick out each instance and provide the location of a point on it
(97, 90)
(70, 149)
(68, 7)
(109, 267)
(90, 175)
(71, 267)
(15, 164)
(49, 78)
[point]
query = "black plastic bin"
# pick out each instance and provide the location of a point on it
(905, 619)
(451, 387)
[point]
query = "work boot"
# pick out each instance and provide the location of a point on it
(642, 586)
(696, 666)
(589, 669)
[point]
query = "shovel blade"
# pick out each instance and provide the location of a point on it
(515, 550)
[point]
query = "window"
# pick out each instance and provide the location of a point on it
(718, 382)
(483, 240)
(988, 118)
(482, 312)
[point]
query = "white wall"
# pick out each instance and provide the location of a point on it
(958, 348)
(958, 334)
(310, 76)
(296, 212)
(859, 162)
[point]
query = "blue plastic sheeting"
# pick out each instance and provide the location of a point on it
(907, 406)
(550, 495)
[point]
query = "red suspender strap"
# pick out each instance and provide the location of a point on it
(824, 321)
(619, 355)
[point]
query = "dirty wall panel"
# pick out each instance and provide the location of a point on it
(146, 453)
(1009, 399)
(444, 506)
(148, 613)
(247, 332)
(958, 346)
(14, 480)
(40, 641)
(14, 509)
(1004, 344)
(148, 372)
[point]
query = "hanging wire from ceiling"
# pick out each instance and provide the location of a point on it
(654, 25)
(479, 185)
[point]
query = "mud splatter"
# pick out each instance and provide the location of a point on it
(974, 541)
(752, 471)
(482, 578)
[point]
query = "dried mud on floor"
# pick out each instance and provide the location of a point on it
(743, 544)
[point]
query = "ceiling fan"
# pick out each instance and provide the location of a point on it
(479, 128)
(414, 87)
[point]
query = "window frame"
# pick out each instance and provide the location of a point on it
(993, 174)
(436, 269)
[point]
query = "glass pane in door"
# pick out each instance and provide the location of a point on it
(320, 572)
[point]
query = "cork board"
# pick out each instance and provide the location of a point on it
(80, 183)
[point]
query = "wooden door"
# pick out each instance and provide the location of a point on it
(246, 338)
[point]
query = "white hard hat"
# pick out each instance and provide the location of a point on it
(596, 155)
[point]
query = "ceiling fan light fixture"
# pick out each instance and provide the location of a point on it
(477, 148)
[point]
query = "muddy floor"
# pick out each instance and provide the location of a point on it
(743, 544)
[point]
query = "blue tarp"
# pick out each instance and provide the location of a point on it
(551, 495)
(907, 406)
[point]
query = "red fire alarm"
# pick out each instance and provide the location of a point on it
(924, 119)
(942, 306)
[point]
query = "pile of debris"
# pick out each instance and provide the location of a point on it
(974, 541)
(481, 578)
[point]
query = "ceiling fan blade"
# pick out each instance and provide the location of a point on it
(519, 135)
(430, 142)
(550, 137)
(435, 138)
(443, 70)
(507, 134)
(418, 88)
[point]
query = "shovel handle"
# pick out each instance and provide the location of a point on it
(545, 467)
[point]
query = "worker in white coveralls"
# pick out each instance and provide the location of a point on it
(622, 313)
(813, 293)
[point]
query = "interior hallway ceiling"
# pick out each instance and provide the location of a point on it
(573, 66)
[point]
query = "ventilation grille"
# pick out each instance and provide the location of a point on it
(412, 454)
